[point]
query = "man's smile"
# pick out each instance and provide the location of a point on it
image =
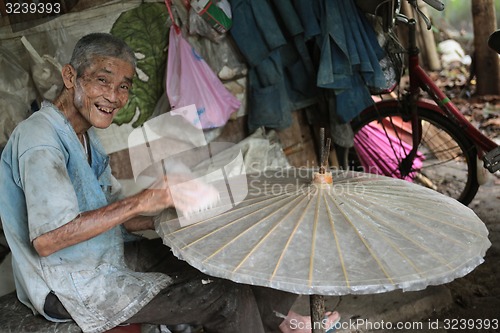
(105, 109)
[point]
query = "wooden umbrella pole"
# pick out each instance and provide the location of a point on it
(317, 304)
(324, 151)
(321, 149)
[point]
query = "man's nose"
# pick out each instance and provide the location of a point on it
(111, 94)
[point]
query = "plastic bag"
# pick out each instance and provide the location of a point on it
(45, 71)
(17, 93)
(191, 81)
(14, 79)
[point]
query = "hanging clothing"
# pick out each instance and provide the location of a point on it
(350, 56)
(280, 40)
(281, 73)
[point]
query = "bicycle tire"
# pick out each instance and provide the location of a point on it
(450, 163)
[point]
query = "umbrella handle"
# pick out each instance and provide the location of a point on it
(317, 304)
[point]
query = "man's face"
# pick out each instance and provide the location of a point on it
(103, 90)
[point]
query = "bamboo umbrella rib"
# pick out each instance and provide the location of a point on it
(415, 198)
(394, 139)
(367, 246)
(367, 161)
(399, 192)
(278, 198)
(363, 142)
(366, 140)
(285, 248)
(419, 213)
(422, 226)
(387, 191)
(450, 224)
(383, 161)
(267, 235)
(235, 221)
(313, 243)
(247, 230)
(382, 240)
(369, 213)
(372, 179)
(379, 185)
(385, 156)
(339, 250)
(375, 181)
(393, 245)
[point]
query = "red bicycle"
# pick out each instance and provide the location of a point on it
(425, 140)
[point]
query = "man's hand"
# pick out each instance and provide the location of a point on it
(183, 192)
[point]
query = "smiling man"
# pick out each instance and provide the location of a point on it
(67, 223)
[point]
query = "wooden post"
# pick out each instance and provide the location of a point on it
(485, 60)
(429, 43)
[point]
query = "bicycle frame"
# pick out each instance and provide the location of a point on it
(419, 80)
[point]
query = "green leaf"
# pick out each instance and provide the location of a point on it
(145, 30)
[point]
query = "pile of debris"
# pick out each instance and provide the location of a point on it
(456, 80)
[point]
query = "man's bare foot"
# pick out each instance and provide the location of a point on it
(295, 323)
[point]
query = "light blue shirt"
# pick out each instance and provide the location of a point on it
(46, 181)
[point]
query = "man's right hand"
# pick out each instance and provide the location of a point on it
(180, 191)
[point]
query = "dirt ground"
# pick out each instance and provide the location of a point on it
(477, 295)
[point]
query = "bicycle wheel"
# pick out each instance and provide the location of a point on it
(446, 158)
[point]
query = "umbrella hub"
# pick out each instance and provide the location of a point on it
(324, 178)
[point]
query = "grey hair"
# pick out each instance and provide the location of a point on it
(99, 44)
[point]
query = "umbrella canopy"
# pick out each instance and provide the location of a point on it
(362, 234)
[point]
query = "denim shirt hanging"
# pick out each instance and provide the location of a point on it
(274, 37)
(281, 74)
(350, 56)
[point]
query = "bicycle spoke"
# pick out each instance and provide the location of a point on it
(445, 158)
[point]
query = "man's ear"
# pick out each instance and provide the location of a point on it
(69, 76)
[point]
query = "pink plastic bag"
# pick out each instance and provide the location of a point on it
(191, 81)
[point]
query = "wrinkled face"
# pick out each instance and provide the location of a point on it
(103, 90)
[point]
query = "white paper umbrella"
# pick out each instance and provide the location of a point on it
(361, 234)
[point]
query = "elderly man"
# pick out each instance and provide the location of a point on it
(67, 224)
